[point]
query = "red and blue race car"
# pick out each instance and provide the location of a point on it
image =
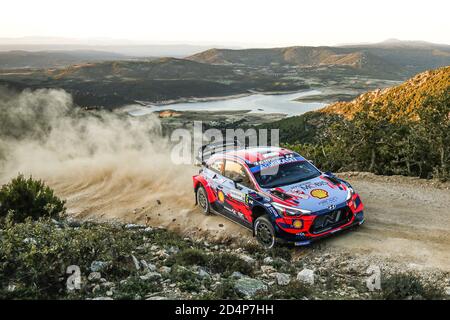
(277, 193)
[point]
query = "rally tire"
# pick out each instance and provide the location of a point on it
(202, 200)
(264, 232)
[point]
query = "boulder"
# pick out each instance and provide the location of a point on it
(306, 276)
(248, 287)
(94, 276)
(97, 266)
(282, 279)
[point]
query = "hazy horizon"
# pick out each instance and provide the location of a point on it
(234, 23)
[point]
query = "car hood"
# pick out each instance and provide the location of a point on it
(317, 194)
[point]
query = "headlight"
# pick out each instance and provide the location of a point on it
(290, 211)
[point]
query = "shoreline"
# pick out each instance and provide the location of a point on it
(217, 98)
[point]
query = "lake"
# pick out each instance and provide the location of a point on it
(261, 103)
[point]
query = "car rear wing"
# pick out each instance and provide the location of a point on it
(206, 151)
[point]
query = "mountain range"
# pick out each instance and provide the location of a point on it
(390, 58)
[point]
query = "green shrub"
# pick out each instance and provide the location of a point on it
(401, 286)
(225, 290)
(23, 198)
(227, 263)
(34, 256)
(135, 288)
(294, 290)
(189, 257)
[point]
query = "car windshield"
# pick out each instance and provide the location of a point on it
(286, 174)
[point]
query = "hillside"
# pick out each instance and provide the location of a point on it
(403, 130)
(404, 100)
(380, 59)
(51, 59)
(162, 68)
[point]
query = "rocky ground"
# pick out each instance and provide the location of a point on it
(132, 261)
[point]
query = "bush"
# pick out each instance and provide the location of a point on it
(401, 286)
(227, 263)
(294, 290)
(34, 256)
(23, 198)
(189, 257)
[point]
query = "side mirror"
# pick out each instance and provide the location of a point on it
(236, 181)
(329, 173)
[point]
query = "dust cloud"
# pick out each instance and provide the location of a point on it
(107, 165)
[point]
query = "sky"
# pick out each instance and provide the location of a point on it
(231, 22)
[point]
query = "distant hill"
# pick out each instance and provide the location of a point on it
(51, 59)
(378, 59)
(161, 68)
(400, 101)
(400, 130)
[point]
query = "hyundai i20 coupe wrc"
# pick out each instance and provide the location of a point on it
(278, 194)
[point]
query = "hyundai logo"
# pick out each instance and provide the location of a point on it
(332, 207)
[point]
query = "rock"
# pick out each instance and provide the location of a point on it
(133, 226)
(268, 269)
(447, 291)
(268, 260)
(282, 279)
(148, 266)
(157, 298)
(306, 276)
(237, 275)
(165, 269)
(136, 262)
(247, 259)
(249, 286)
(30, 240)
(151, 276)
(173, 250)
(96, 288)
(162, 254)
(97, 266)
(109, 293)
(108, 284)
(72, 223)
(103, 298)
(203, 274)
(94, 276)
(148, 229)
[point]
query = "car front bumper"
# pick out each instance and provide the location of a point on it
(304, 240)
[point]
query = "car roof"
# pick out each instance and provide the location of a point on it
(255, 154)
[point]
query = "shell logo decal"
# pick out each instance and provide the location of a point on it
(221, 196)
(319, 193)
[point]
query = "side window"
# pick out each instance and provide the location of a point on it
(234, 170)
(217, 166)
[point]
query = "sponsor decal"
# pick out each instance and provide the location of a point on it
(311, 185)
(221, 196)
(237, 195)
(328, 202)
(269, 163)
(298, 193)
(319, 193)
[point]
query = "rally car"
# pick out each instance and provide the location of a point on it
(277, 193)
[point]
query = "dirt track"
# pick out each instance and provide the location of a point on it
(407, 220)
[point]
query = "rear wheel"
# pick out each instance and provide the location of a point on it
(202, 200)
(264, 232)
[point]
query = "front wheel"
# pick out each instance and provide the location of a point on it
(202, 200)
(264, 232)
